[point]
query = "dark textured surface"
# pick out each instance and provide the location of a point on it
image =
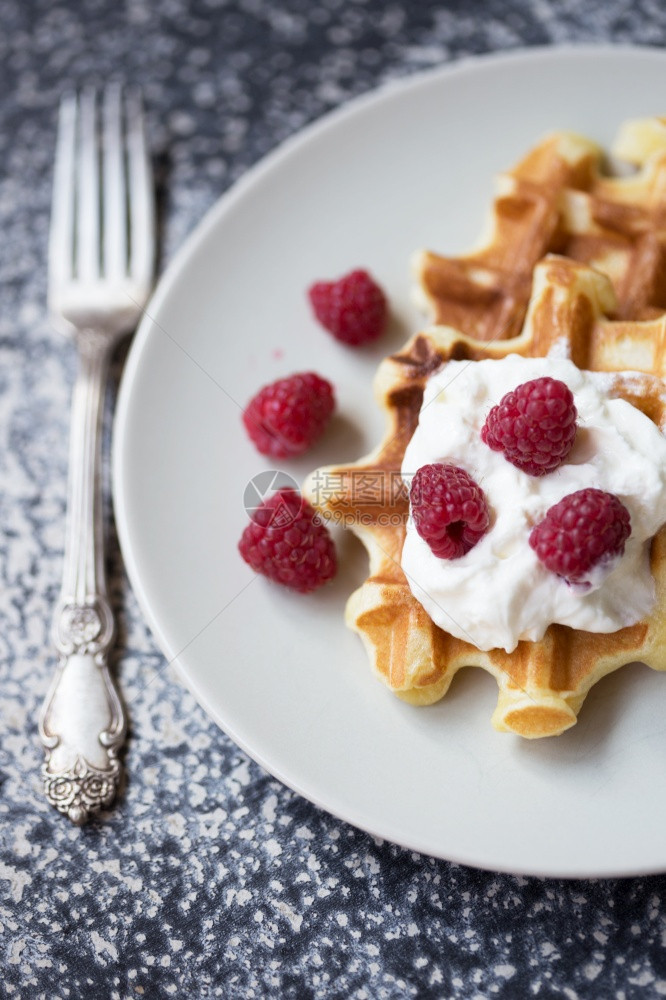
(210, 878)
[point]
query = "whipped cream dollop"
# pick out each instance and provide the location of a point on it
(499, 592)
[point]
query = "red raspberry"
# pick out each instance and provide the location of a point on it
(534, 426)
(449, 509)
(286, 417)
(287, 542)
(582, 530)
(353, 309)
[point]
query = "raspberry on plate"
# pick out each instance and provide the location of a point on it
(449, 509)
(353, 308)
(534, 426)
(583, 530)
(287, 416)
(286, 542)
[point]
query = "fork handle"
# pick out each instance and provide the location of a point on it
(82, 724)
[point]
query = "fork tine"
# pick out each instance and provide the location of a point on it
(114, 203)
(141, 207)
(61, 229)
(88, 205)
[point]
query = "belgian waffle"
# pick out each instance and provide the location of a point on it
(542, 684)
(558, 199)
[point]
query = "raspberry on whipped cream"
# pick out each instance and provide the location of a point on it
(499, 592)
(583, 530)
(449, 509)
(534, 425)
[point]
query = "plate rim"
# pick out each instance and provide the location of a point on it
(211, 219)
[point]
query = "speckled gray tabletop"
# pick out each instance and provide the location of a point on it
(209, 878)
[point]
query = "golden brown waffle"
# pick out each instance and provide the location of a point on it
(558, 200)
(541, 684)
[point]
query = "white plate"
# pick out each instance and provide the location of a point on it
(408, 167)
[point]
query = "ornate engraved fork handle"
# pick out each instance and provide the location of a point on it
(82, 725)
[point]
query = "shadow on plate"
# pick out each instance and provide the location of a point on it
(472, 697)
(342, 442)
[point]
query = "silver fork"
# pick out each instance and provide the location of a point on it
(101, 260)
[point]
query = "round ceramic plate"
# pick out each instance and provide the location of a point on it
(409, 167)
